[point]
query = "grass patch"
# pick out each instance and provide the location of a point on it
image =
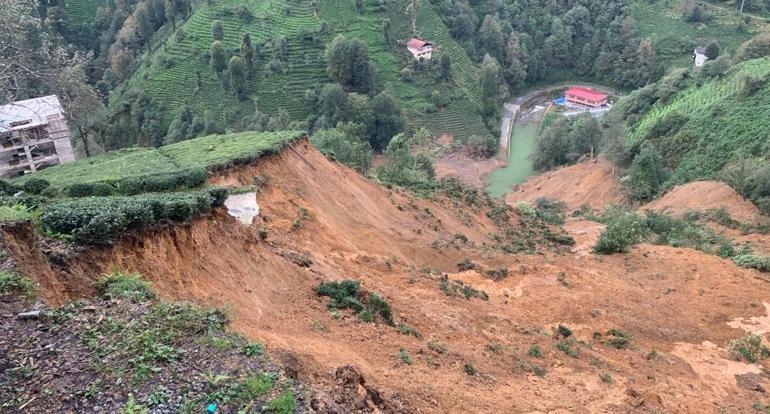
(125, 286)
(16, 213)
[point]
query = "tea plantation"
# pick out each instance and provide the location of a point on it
(710, 122)
(171, 71)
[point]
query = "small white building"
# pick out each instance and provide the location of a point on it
(420, 49)
(699, 56)
(33, 135)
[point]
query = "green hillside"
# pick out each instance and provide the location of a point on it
(700, 124)
(170, 73)
(674, 37)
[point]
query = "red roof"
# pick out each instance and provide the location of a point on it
(416, 43)
(586, 93)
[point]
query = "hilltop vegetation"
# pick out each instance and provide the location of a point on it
(709, 124)
(138, 170)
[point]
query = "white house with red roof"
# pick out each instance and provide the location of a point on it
(585, 97)
(420, 49)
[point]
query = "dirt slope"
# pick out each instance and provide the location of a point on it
(705, 195)
(472, 355)
(591, 182)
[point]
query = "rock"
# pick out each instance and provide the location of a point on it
(33, 314)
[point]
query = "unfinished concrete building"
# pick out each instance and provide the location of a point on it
(33, 135)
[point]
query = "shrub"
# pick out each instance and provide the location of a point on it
(348, 295)
(748, 347)
(535, 352)
(621, 233)
(35, 185)
(761, 263)
(617, 339)
(7, 188)
(89, 189)
(96, 220)
(11, 282)
(469, 369)
(127, 286)
(404, 356)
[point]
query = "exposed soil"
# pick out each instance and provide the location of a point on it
(472, 355)
(705, 195)
(591, 182)
(471, 171)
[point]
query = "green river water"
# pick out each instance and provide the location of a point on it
(523, 138)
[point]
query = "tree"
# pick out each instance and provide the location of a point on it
(648, 68)
(217, 60)
(238, 76)
(483, 145)
(347, 143)
(359, 6)
(332, 103)
(170, 9)
(489, 87)
(490, 38)
(181, 127)
(386, 31)
(349, 65)
(551, 147)
(387, 120)
(143, 23)
(446, 67)
(646, 175)
(515, 56)
(247, 51)
(713, 50)
(217, 30)
(281, 49)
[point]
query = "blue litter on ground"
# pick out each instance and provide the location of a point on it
(211, 408)
(560, 101)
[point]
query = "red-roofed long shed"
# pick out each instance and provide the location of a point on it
(585, 96)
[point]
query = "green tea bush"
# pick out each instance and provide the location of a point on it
(94, 220)
(622, 232)
(35, 185)
(147, 183)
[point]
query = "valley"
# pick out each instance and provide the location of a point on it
(384, 206)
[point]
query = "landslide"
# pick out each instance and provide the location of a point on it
(320, 221)
(591, 182)
(705, 195)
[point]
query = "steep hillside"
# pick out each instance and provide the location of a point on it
(476, 330)
(170, 73)
(699, 123)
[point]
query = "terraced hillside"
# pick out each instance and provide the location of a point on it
(82, 11)
(674, 38)
(172, 80)
(710, 122)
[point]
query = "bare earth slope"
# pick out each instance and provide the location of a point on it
(324, 222)
(590, 182)
(705, 195)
